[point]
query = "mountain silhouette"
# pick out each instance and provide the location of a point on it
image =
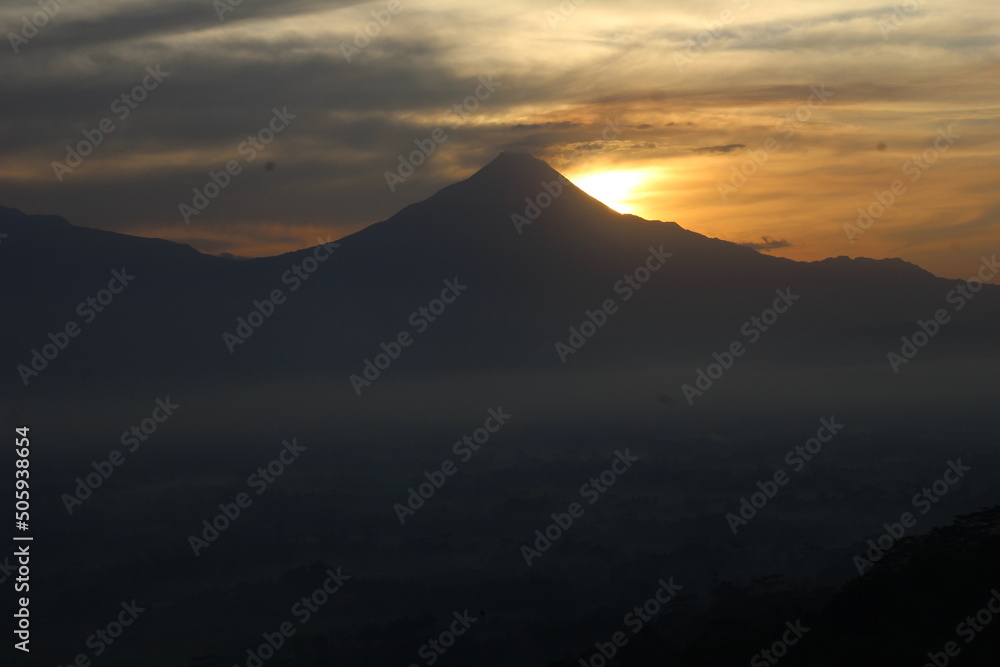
(511, 292)
(536, 253)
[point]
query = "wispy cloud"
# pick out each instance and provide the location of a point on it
(766, 244)
(560, 87)
(728, 148)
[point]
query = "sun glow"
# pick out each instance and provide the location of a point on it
(619, 190)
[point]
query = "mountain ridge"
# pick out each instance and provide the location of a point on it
(527, 287)
(508, 173)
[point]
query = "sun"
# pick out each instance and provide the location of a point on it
(616, 189)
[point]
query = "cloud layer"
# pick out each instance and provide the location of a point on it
(691, 97)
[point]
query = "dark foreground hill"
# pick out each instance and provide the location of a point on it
(933, 600)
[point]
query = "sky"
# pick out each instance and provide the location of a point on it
(764, 123)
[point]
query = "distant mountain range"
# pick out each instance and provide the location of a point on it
(530, 254)
(385, 353)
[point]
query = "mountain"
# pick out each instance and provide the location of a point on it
(528, 282)
(328, 347)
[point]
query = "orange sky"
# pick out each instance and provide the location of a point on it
(653, 106)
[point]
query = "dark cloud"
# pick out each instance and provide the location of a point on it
(728, 148)
(137, 20)
(766, 244)
(564, 125)
(354, 118)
